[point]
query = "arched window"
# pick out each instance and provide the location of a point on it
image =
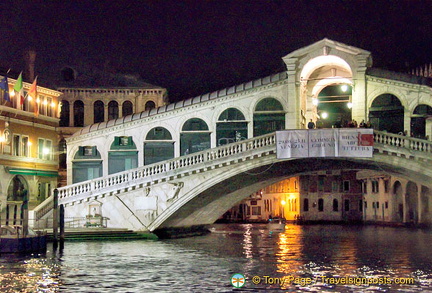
(195, 136)
(78, 114)
(113, 111)
(127, 108)
(158, 146)
(98, 112)
(64, 114)
(269, 116)
(231, 127)
(418, 120)
(387, 113)
(149, 105)
(335, 205)
(320, 205)
(123, 155)
(87, 164)
(18, 189)
(62, 153)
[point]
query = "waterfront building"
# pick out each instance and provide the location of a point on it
(29, 117)
(391, 199)
(94, 97)
(281, 199)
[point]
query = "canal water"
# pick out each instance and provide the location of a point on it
(235, 258)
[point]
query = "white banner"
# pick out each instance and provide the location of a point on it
(356, 142)
(320, 143)
(292, 144)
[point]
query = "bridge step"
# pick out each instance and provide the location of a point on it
(102, 234)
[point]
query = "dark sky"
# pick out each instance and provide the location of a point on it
(194, 47)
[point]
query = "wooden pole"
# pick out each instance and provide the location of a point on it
(55, 216)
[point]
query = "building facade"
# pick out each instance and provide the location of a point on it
(28, 147)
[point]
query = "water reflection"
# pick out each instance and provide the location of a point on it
(206, 263)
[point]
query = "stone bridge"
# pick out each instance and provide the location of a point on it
(196, 189)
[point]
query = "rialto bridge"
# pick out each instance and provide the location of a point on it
(185, 164)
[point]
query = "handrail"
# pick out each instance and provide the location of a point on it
(205, 158)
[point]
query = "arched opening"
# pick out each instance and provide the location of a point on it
(123, 155)
(127, 108)
(18, 189)
(98, 112)
(412, 202)
(149, 105)
(113, 111)
(387, 113)
(87, 164)
(64, 114)
(334, 106)
(418, 120)
(269, 116)
(158, 146)
(195, 136)
(398, 204)
(425, 197)
(78, 114)
(335, 205)
(231, 127)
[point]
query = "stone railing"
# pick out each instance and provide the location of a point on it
(157, 171)
(208, 158)
(41, 210)
(407, 143)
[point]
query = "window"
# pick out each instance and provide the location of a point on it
(335, 205)
(127, 108)
(306, 205)
(375, 186)
(64, 114)
(158, 146)
(347, 205)
(49, 106)
(335, 186)
(79, 114)
(21, 145)
(256, 211)
(44, 149)
(149, 105)
(231, 127)
(195, 136)
(386, 204)
(98, 112)
(364, 186)
(113, 111)
(346, 186)
(320, 205)
(268, 116)
(321, 183)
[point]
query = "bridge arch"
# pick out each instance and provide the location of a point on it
(231, 126)
(418, 120)
(268, 116)
(158, 145)
(194, 136)
(387, 113)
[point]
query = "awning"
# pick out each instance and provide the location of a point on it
(19, 171)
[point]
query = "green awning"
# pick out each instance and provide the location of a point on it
(19, 171)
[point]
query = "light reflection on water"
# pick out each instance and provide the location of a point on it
(206, 263)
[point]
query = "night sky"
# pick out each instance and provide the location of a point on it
(195, 47)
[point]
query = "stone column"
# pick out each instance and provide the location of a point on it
(71, 114)
(419, 205)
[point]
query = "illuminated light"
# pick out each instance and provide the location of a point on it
(46, 151)
(344, 87)
(45, 102)
(283, 202)
(52, 105)
(324, 115)
(315, 101)
(29, 143)
(349, 105)
(2, 139)
(30, 98)
(37, 100)
(12, 93)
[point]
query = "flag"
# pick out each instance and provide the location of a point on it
(33, 93)
(18, 88)
(5, 87)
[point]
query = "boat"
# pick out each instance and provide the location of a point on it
(13, 240)
(276, 224)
